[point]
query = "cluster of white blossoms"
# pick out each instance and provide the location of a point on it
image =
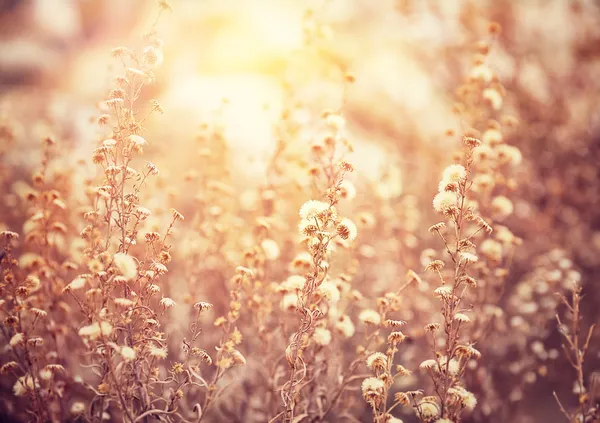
(448, 190)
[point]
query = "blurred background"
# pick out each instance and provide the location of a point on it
(233, 62)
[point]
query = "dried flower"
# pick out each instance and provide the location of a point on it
(126, 264)
(443, 201)
(454, 173)
(127, 353)
(372, 388)
(322, 336)
(167, 303)
(202, 306)
(25, 384)
(346, 229)
(370, 317)
(158, 352)
(312, 209)
(377, 361)
(95, 330)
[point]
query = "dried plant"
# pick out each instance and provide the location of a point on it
(282, 265)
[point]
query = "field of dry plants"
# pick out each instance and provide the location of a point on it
(300, 211)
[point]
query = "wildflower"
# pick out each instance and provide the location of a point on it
(117, 93)
(176, 215)
(462, 318)
(345, 326)
(454, 173)
(302, 261)
(453, 367)
(38, 312)
(471, 142)
(394, 323)
(402, 398)
(54, 368)
(35, 342)
(348, 191)
(346, 229)
(177, 368)
(428, 364)
(428, 410)
(119, 51)
(345, 166)
(225, 362)
(293, 283)
(492, 137)
(402, 371)
(396, 337)
(322, 336)
(7, 367)
(492, 249)
(435, 266)
(152, 168)
(77, 408)
(377, 361)
(481, 73)
(164, 5)
(468, 257)
(9, 235)
(202, 306)
(411, 276)
(370, 317)
(164, 257)
(502, 206)
(152, 56)
(95, 330)
(446, 185)
(509, 154)
(271, 249)
(432, 327)
(289, 301)
(436, 228)
(329, 291)
(17, 339)
(123, 302)
(158, 352)
(167, 303)
(444, 291)
(444, 201)
(220, 321)
(244, 271)
(308, 227)
(372, 388)
(103, 119)
(238, 358)
(159, 268)
(151, 237)
(25, 384)
(126, 265)
(467, 351)
(312, 209)
(114, 103)
(136, 72)
(335, 121)
(143, 213)
(205, 357)
(493, 97)
(469, 400)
